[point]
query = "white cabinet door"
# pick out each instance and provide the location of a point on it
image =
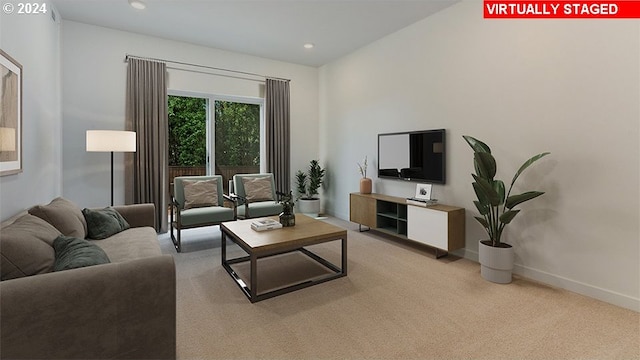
(428, 226)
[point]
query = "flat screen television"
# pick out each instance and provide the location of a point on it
(413, 156)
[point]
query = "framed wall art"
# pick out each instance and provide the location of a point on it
(10, 115)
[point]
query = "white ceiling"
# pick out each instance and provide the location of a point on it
(274, 29)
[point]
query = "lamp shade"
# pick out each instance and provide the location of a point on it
(111, 140)
(7, 139)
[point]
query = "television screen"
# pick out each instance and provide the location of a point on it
(413, 156)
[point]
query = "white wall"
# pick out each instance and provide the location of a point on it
(94, 80)
(34, 41)
(570, 87)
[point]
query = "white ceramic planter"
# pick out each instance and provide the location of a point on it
(496, 263)
(308, 207)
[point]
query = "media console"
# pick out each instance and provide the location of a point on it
(439, 226)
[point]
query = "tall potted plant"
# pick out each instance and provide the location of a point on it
(497, 209)
(307, 185)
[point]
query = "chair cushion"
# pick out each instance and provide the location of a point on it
(200, 193)
(205, 215)
(103, 223)
(26, 247)
(257, 188)
(260, 209)
(64, 215)
(74, 253)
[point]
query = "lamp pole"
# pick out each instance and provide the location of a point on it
(111, 141)
(112, 178)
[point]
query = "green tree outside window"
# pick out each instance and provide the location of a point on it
(237, 132)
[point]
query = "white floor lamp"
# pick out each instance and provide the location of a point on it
(111, 141)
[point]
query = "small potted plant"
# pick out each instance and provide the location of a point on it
(365, 182)
(497, 210)
(287, 217)
(307, 185)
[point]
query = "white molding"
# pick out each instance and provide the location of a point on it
(578, 287)
(608, 296)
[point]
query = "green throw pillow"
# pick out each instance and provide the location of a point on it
(104, 222)
(74, 253)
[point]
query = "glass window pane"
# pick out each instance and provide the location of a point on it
(187, 136)
(237, 138)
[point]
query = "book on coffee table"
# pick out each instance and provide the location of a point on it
(265, 224)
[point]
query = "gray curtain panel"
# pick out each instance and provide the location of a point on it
(277, 132)
(146, 114)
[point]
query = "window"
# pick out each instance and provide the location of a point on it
(235, 135)
(237, 138)
(187, 136)
(187, 131)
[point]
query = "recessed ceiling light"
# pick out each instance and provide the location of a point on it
(308, 46)
(137, 4)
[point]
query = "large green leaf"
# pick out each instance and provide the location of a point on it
(498, 186)
(514, 200)
(486, 188)
(485, 165)
(482, 196)
(476, 166)
(482, 221)
(483, 208)
(476, 145)
(527, 164)
(508, 216)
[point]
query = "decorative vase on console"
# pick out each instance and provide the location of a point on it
(365, 182)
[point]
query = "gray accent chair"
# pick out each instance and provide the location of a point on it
(247, 208)
(199, 216)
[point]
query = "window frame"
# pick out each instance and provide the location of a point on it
(210, 121)
(242, 100)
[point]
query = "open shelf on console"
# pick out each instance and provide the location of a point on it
(391, 217)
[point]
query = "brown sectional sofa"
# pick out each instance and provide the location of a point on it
(125, 309)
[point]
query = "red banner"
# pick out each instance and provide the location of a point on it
(622, 9)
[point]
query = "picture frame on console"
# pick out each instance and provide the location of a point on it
(10, 115)
(423, 191)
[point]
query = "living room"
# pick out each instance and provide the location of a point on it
(570, 87)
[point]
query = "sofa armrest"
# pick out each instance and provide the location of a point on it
(138, 215)
(110, 311)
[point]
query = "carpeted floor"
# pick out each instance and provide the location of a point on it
(397, 302)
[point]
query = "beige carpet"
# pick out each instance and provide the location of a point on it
(397, 302)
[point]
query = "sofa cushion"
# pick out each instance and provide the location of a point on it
(200, 193)
(74, 253)
(257, 188)
(26, 247)
(102, 223)
(64, 215)
(131, 244)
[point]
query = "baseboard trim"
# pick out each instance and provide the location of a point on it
(608, 296)
(578, 287)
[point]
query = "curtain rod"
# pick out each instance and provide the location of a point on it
(128, 56)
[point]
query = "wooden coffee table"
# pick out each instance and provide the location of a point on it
(262, 244)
